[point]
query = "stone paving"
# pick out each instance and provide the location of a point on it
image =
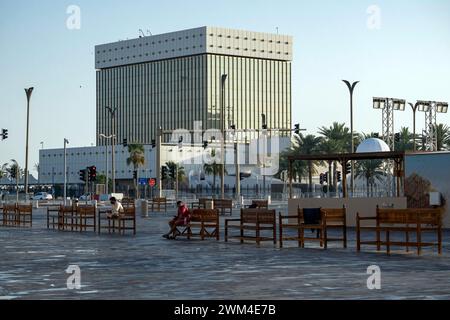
(33, 265)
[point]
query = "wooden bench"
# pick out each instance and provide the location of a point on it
(9, 215)
(206, 221)
(201, 204)
(255, 220)
(407, 221)
(86, 218)
(260, 204)
(328, 219)
(158, 203)
(224, 206)
(126, 220)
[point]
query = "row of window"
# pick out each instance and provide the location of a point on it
(78, 154)
(246, 38)
(147, 43)
(246, 49)
(153, 53)
(73, 173)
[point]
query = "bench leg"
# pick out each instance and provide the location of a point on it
(439, 231)
(388, 242)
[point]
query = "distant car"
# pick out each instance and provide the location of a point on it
(85, 197)
(42, 196)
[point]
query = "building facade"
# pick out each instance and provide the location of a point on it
(174, 79)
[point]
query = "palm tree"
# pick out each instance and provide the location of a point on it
(299, 168)
(336, 139)
(4, 170)
(213, 169)
(304, 145)
(405, 140)
(370, 170)
(137, 159)
(442, 136)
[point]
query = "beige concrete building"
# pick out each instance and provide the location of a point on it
(174, 79)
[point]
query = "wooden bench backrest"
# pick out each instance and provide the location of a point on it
(264, 216)
(335, 215)
(411, 216)
(129, 211)
(223, 203)
(25, 208)
(127, 202)
(86, 210)
(261, 203)
(160, 200)
(64, 209)
(8, 208)
(205, 215)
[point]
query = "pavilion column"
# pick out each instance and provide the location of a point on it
(344, 179)
(290, 178)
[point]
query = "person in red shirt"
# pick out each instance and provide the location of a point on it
(181, 219)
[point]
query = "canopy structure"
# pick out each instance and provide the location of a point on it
(343, 158)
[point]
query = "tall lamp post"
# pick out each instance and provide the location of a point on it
(222, 146)
(28, 92)
(112, 112)
(351, 88)
(66, 142)
(106, 165)
(414, 109)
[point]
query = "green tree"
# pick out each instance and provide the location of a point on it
(442, 137)
(136, 159)
(371, 170)
(213, 169)
(405, 141)
(336, 139)
(307, 145)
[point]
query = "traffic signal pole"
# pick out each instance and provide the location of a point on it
(158, 161)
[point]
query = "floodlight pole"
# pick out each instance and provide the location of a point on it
(222, 145)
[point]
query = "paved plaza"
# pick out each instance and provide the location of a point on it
(33, 265)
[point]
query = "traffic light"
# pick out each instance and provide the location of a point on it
(297, 128)
(135, 174)
(321, 178)
(339, 176)
(325, 177)
(173, 172)
(205, 144)
(348, 168)
(92, 173)
(4, 134)
(83, 175)
(233, 127)
(125, 143)
(153, 143)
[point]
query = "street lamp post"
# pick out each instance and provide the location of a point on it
(65, 170)
(106, 157)
(414, 109)
(28, 92)
(351, 88)
(222, 148)
(112, 112)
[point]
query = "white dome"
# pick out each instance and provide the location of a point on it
(373, 145)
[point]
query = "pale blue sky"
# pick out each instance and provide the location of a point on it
(409, 57)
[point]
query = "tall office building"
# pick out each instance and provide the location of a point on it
(174, 79)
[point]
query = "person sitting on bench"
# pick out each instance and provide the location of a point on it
(181, 219)
(116, 208)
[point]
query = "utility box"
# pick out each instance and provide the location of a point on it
(435, 199)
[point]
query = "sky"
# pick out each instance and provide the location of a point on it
(395, 48)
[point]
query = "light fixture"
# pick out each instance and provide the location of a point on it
(399, 104)
(379, 103)
(423, 106)
(441, 107)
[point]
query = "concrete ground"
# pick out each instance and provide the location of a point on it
(33, 265)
